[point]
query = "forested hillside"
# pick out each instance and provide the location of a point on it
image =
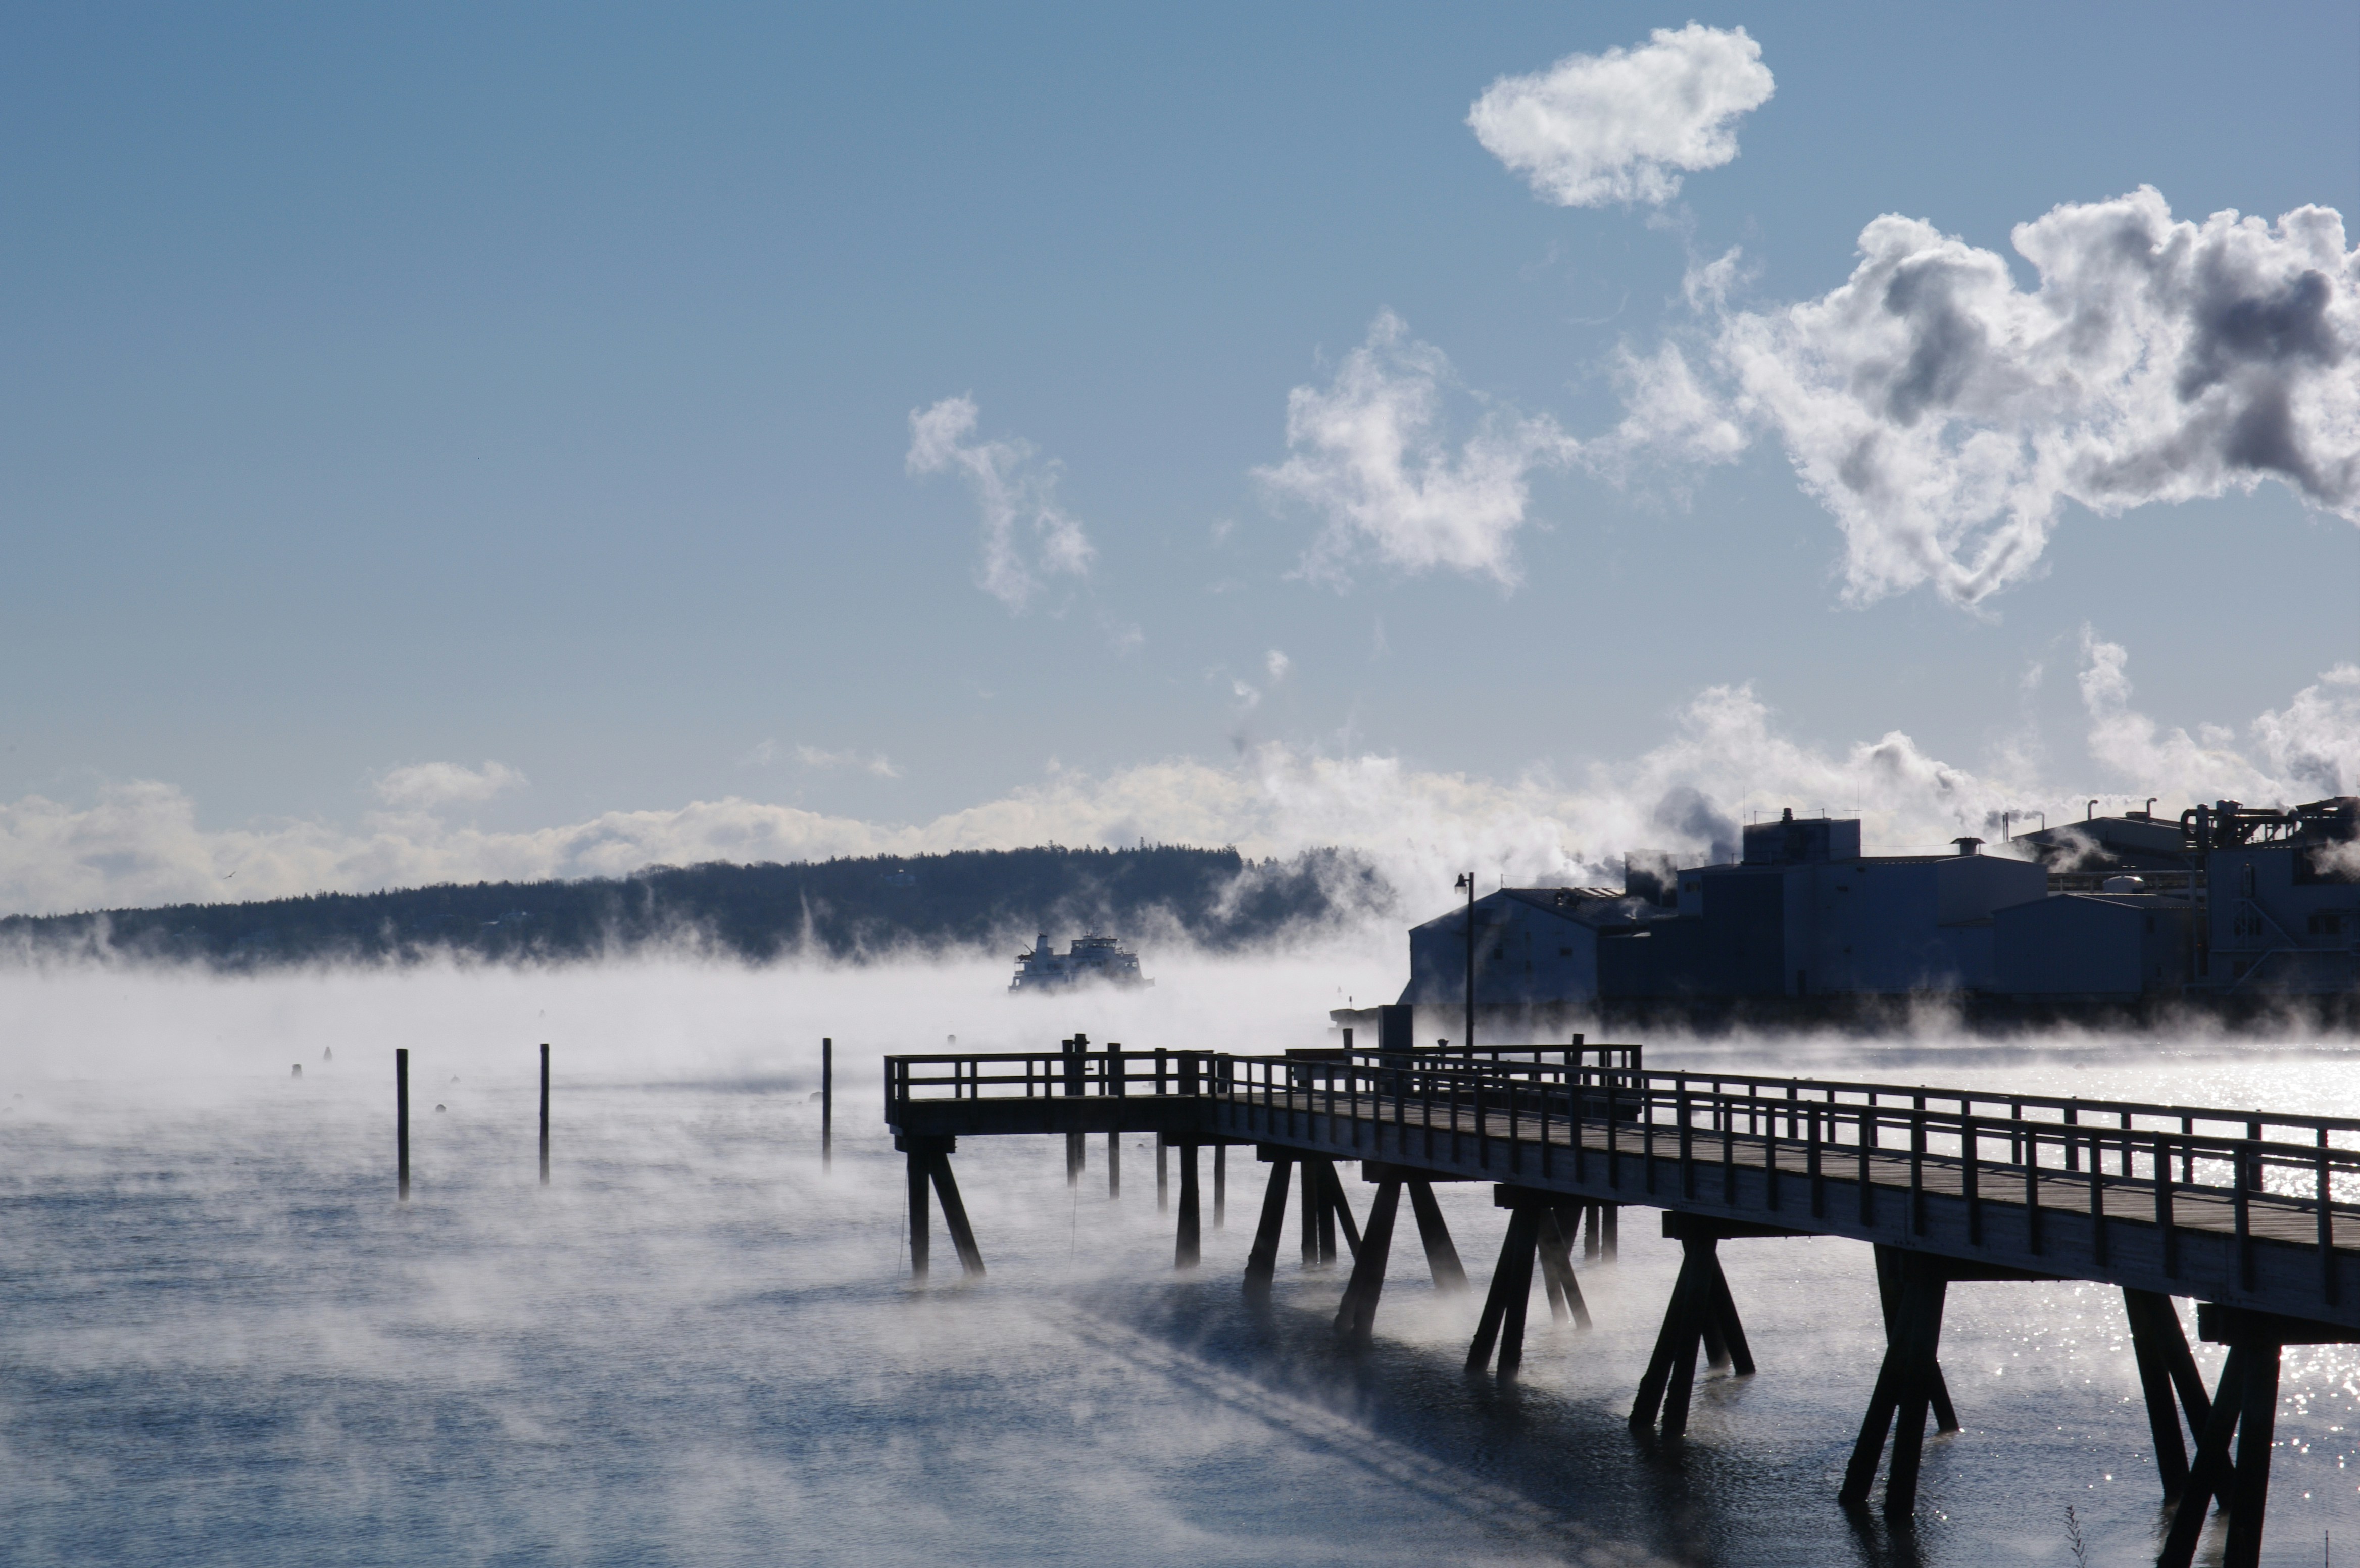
(991, 899)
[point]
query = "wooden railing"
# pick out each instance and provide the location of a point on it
(1594, 1108)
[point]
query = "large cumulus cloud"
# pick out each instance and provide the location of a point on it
(1944, 415)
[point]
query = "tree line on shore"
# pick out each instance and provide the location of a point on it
(844, 908)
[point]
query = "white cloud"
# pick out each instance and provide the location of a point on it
(1277, 663)
(875, 763)
(1724, 758)
(421, 787)
(1016, 492)
(1943, 415)
(1366, 455)
(2308, 751)
(1621, 127)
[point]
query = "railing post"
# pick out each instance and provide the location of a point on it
(1483, 1132)
(2031, 1135)
(1971, 1151)
(2097, 1196)
(1614, 1164)
(1819, 1188)
(1917, 1167)
(2163, 1222)
(1864, 1144)
(2242, 1155)
(2326, 1227)
(1688, 1150)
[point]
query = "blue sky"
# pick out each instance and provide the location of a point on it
(478, 440)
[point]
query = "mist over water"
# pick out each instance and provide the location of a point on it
(225, 1342)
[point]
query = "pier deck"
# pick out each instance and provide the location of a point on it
(2255, 1214)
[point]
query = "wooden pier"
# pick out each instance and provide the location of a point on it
(2252, 1214)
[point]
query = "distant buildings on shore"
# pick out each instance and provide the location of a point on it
(2226, 907)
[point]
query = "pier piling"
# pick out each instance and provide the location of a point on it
(401, 1120)
(544, 1114)
(1441, 1256)
(1357, 1318)
(1189, 1250)
(930, 1180)
(1502, 1326)
(1261, 1260)
(827, 1105)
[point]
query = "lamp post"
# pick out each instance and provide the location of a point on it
(1466, 880)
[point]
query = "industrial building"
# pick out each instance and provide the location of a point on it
(2228, 907)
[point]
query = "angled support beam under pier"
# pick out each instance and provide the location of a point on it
(1909, 1381)
(1502, 1322)
(1261, 1260)
(2244, 1404)
(1433, 1232)
(1701, 1315)
(929, 1162)
(1357, 1318)
(1340, 1212)
(1888, 1301)
(2168, 1379)
(1556, 1253)
(1441, 1256)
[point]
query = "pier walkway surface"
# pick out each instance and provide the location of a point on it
(2255, 1214)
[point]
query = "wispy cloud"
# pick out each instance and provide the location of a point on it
(1027, 536)
(1623, 126)
(1943, 415)
(423, 787)
(873, 763)
(1367, 455)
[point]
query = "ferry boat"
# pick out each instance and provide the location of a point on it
(1091, 958)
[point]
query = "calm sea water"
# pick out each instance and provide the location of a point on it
(224, 1343)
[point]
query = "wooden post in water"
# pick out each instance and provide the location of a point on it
(826, 1102)
(1221, 1184)
(920, 1174)
(545, 1114)
(1114, 1165)
(1163, 1174)
(1189, 1250)
(402, 1119)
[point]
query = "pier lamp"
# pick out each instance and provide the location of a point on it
(1466, 880)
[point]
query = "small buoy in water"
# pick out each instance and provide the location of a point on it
(819, 1094)
(441, 1107)
(328, 1054)
(299, 1069)
(454, 1077)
